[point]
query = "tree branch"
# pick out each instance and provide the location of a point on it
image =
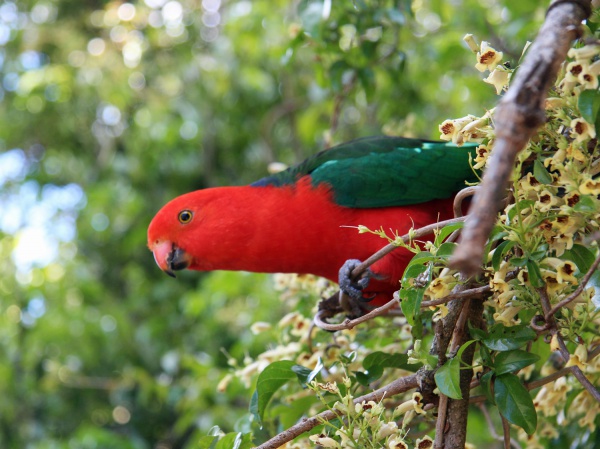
(518, 115)
(396, 387)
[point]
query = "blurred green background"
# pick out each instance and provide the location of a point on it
(110, 109)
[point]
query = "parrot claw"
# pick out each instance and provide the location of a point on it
(354, 288)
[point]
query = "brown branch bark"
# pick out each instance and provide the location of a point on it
(518, 115)
(455, 428)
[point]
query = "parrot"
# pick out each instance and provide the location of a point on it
(304, 219)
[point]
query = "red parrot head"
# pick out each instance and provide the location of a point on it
(169, 231)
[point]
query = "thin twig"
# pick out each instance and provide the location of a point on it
(348, 323)
(505, 432)
(488, 419)
(466, 294)
(518, 115)
(583, 380)
(440, 424)
(421, 232)
(576, 293)
(396, 387)
(465, 193)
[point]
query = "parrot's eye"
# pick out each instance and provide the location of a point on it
(185, 216)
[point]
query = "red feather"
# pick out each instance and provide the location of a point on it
(290, 229)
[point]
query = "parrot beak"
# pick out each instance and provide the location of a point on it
(170, 258)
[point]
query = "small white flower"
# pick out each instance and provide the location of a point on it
(582, 130)
(498, 78)
(488, 58)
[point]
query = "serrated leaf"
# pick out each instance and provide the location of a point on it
(486, 386)
(514, 402)
(272, 378)
(588, 104)
(447, 378)
(509, 361)
(541, 174)
(503, 338)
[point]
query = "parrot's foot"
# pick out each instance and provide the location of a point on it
(354, 287)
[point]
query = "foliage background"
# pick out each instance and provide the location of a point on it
(110, 109)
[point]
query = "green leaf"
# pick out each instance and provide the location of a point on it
(385, 360)
(446, 231)
(269, 381)
(486, 386)
(336, 74)
(230, 441)
(414, 269)
(411, 303)
(514, 402)
(588, 104)
(585, 204)
(370, 376)
(519, 261)
(503, 338)
(306, 375)
(509, 361)
(462, 349)
(445, 250)
(581, 256)
(535, 275)
(206, 442)
(500, 251)
(541, 174)
(447, 378)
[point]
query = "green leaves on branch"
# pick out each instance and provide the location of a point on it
(514, 402)
(234, 440)
(589, 105)
(376, 362)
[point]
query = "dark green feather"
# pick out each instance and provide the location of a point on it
(385, 171)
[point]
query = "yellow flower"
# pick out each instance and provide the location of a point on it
(397, 443)
(507, 315)
(451, 129)
(582, 130)
(324, 440)
(565, 269)
(440, 287)
(482, 154)
(260, 326)
(499, 78)
(583, 53)
(574, 69)
(588, 80)
(487, 57)
(590, 187)
(424, 443)
(546, 200)
(579, 357)
(387, 429)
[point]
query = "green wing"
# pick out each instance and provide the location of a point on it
(385, 171)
